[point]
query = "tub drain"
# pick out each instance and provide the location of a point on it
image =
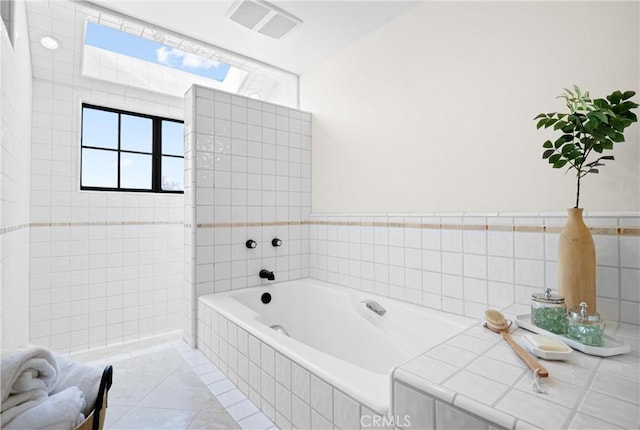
(280, 329)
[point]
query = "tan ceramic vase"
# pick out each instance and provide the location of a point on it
(577, 262)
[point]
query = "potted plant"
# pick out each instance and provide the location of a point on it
(588, 129)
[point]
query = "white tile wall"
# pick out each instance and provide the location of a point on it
(465, 268)
(249, 177)
(105, 267)
(15, 132)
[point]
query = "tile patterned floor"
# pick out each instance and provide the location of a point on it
(163, 383)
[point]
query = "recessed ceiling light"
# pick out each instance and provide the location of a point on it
(50, 42)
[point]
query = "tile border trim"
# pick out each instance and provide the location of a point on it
(12, 228)
(599, 231)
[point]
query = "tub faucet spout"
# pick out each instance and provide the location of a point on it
(265, 274)
(375, 307)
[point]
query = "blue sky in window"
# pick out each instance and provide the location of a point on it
(120, 42)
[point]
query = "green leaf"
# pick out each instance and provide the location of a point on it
(601, 103)
(554, 158)
(607, 144)
(542, 115)
(573, 155)
(601, 117)
(617, 137)
(560, 163)
(615, 97)
(593, 171)
(568, 148)
(606, 157)
(594, 164)
(541, 123)
(626, 106)
(547, 144)
(560, 124)
(546, 154)
(628, 94)
(562, 140)
(617, 123)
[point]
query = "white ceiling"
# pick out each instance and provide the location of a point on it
(329, 26)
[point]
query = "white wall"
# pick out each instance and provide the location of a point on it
(105, 267)
(15, 119)
(434, 111)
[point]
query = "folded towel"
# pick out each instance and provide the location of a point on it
(71, 373)
(26, 369)
(19, 403)
(61, 411)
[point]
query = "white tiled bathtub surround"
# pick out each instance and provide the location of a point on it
(468, 263)
(247, 176)
(290, 395)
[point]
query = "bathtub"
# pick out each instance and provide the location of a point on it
(333, 335)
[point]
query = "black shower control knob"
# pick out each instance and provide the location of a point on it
(276, 242)
(251, 244)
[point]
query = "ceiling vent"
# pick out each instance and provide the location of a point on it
(263, 17)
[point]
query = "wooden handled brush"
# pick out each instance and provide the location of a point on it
(497, 322)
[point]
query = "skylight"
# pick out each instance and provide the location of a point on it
(134, 53)
(130, 45)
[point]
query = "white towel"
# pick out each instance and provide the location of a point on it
(25, 374)
(71, 373)
(19, 403)
(25, 369)
(61, 411)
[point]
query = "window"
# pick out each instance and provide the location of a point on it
(126, 151)
(131, 45)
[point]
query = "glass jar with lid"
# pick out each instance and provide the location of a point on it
(584, 327)
(548, 311)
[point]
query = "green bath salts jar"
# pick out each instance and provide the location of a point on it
(584, 327)
(548, 311)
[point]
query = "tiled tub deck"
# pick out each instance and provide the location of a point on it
(475, 380)
(472, 380)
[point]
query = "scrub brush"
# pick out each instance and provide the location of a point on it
(496, 322)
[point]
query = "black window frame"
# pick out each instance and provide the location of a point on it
(156, 151)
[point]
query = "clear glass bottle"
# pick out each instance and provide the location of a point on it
(548, 311)
(584, 327)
